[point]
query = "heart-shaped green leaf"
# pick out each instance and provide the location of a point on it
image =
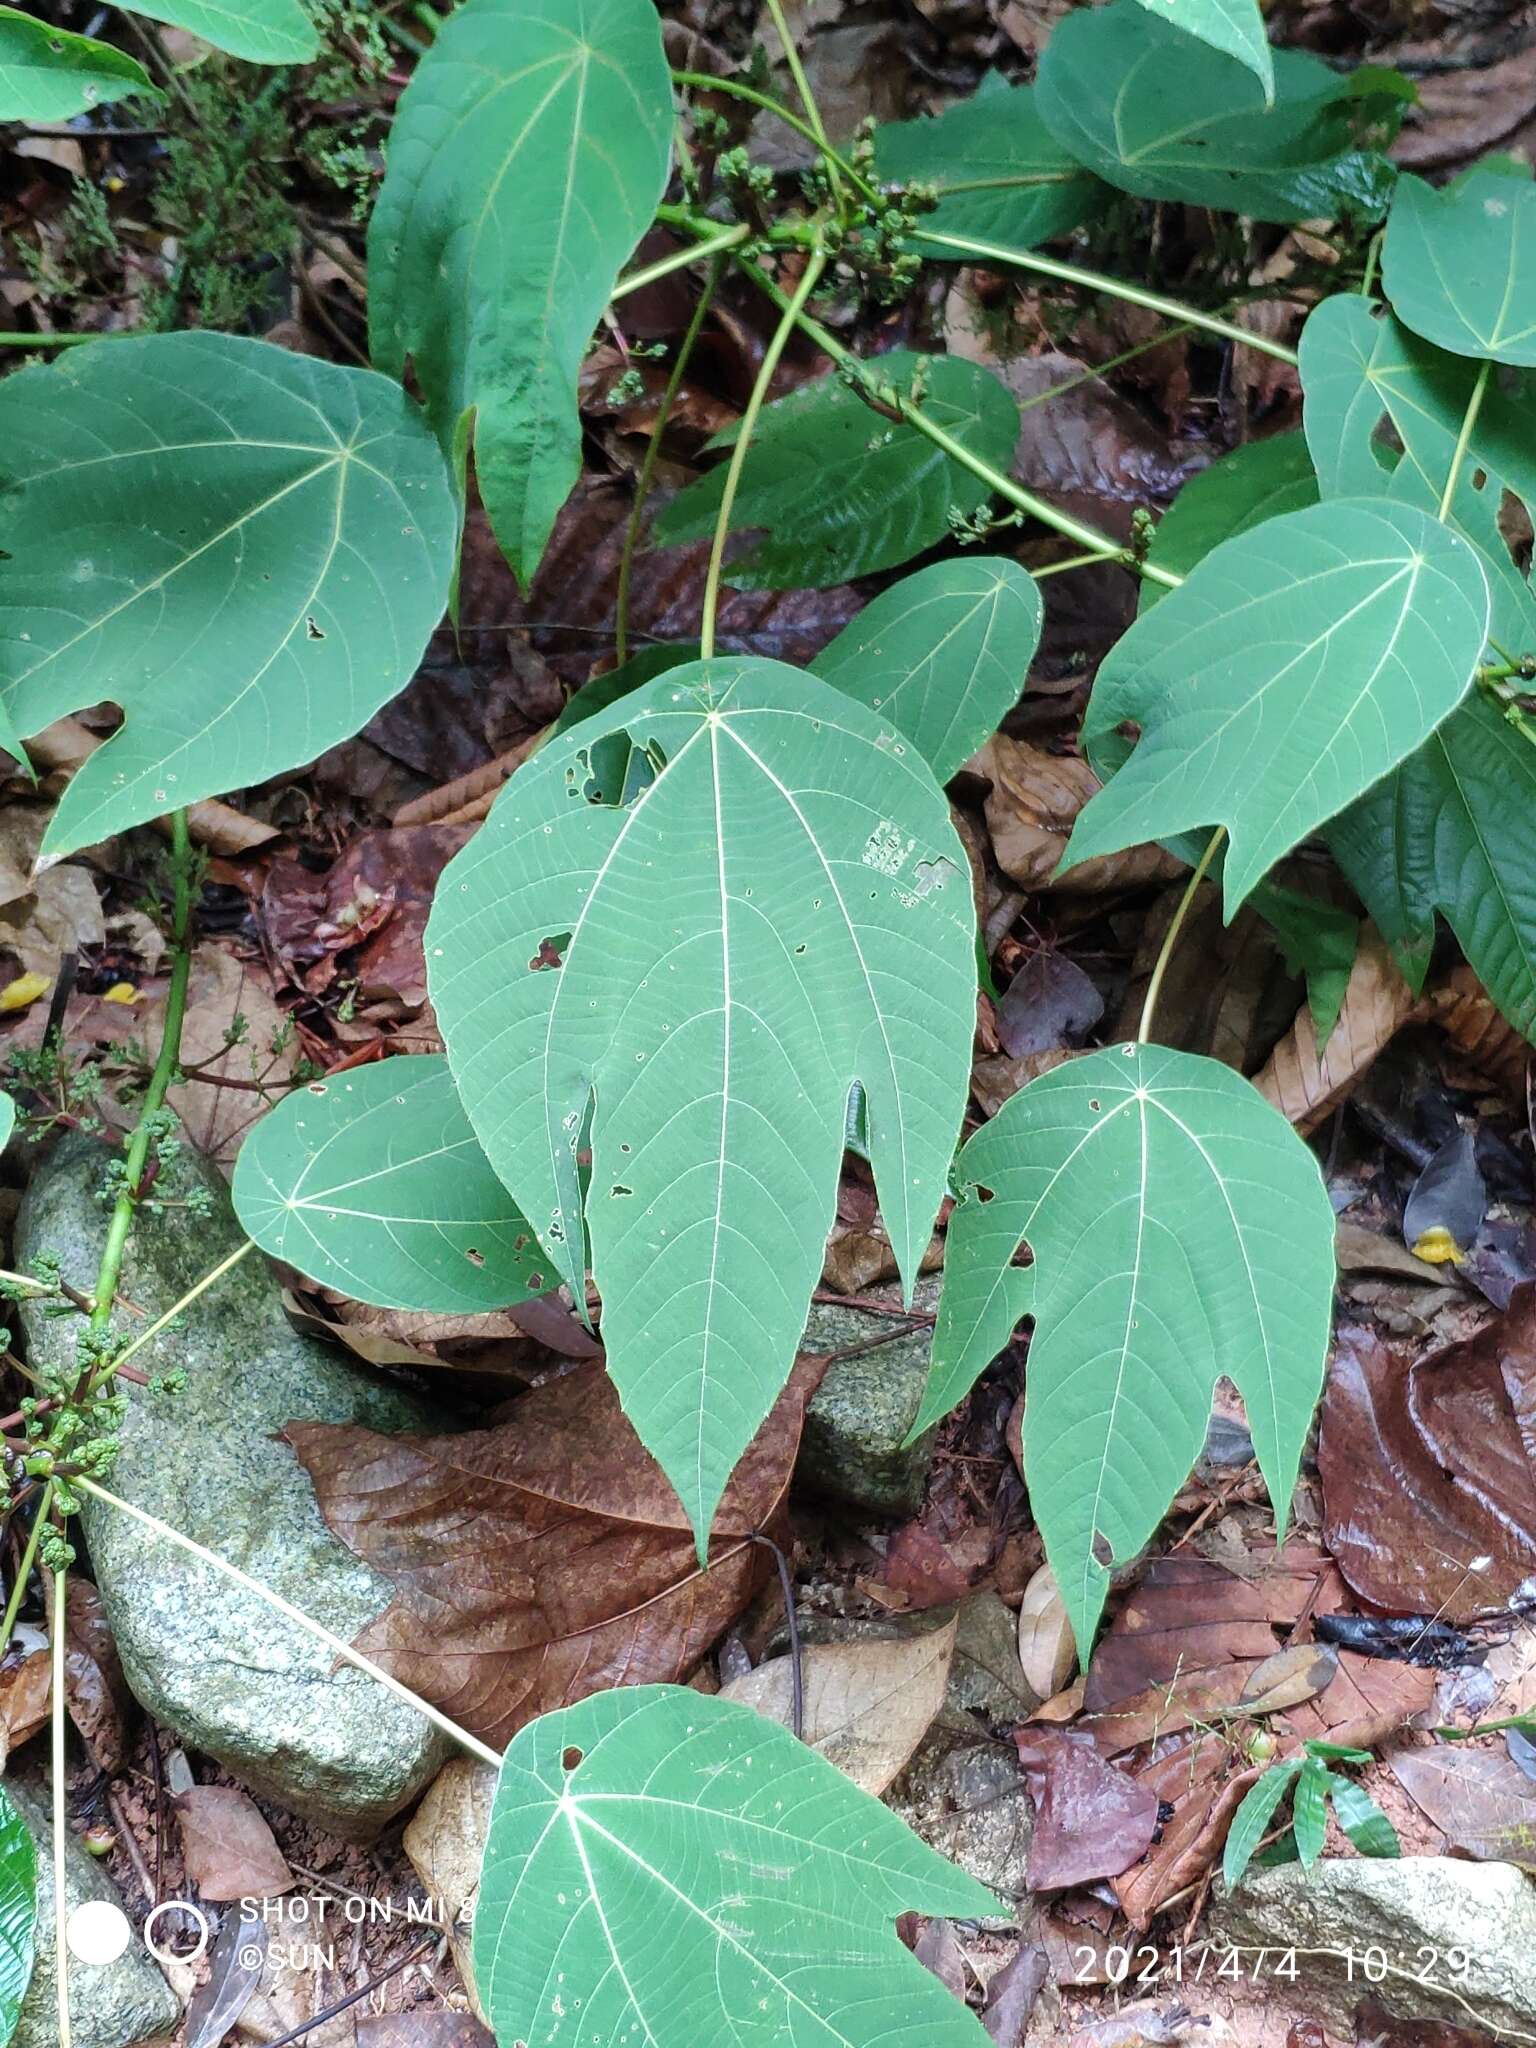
(1460, 265)
(18, 1913)
(1298, 664)
(1235, 26)
(999, 172)
(670, 1869)
(373, 1183)
(1180, 1230)
(756, 897)
(1454, 830)
(838, 490)
(1256, 482)
(944, 654)
(526, 160)
(261, 31)
(245, 548)
(47, 74)
(1153, 112)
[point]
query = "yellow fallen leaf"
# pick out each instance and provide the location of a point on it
(1436, 1247)
(121, 992)
(26, 988)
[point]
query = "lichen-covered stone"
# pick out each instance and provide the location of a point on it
(852, 1448)
(1395, 1929)
(111, 2005)
(222, 1668)
(964, 1793)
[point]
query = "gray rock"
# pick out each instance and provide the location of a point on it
(217, 1664)
(110, 2004)
(852, 1446)
(1352, 1919)
(986, 1674)
(963, 1792)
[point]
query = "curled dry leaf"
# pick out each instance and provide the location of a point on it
(229, 1850)
(25, 1691)
(1429, 1491)
(1047, 1647)
(1467, 1017)
(1031, 807)
(95, 1688)
(547, 1558)
(867, 1705)
(445, 1840)
(1306, 1081)
(1297, 1673)
(1481, 1801)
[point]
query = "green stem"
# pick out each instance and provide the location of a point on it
(115, 1365)
(67, 340)
(1111, 287)
(137, 1156)
(1464, 439)
(1082, 561)
(653, 456)
(700, 81)
(807, 97)
(24, 1569)
(793, 309)
(716, 239)
(1098, 544)
(345, 1651)
(1171, 936)
(60, 1811)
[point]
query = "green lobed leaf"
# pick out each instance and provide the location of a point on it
(18, 1913)
(758, 898)
(245, 548)
(526, 160)
(1319, 941)
(1453, 830)
(644, 667)
(373, 1183)
(1253, 483)
(944, 654)
(1180, 1230)
(1235, 26)
(47, 74)
(838, 490)
(1251, 1821)
(1297, 665)
(1309, 1809)
(1148, 109)
(1459, 265)
(1359, 372)
(1000, 174)
(261, 31)
(667, 1868)
(1363, 1820)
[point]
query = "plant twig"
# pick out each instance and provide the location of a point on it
(125, 1207)
(794, 307)
(653, 456)
(859, 372)
(724, 238)
(333, 1643)
(24, 1569)
(1171, 936)
(115, 1365)
(1110, 287)
(362, 1991)
(796, 1681)
(1464, 439)
(60, 1813)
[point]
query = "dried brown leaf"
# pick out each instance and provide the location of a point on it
(95, 1688)
(1031, 807)
(1464, 1013)
(1481, 1801)
(445, 1840)
(1047, 1647)
(542, 1560)
(1091, 1819)
(1305, 1081)
(229, 1850)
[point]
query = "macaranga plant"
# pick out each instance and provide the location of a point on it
(725, 896)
